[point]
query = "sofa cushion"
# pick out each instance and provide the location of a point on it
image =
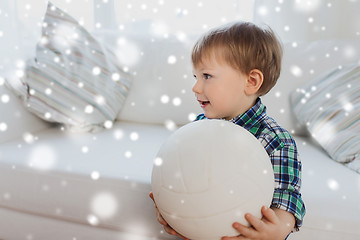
(302, 62)
(329, 106)
(162, 77)
(73, 80)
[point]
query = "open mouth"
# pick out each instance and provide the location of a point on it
(203, 103)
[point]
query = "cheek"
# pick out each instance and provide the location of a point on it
(220, 97)
(213, 92)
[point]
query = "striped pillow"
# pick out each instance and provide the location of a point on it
(330, 108)
(73, 80)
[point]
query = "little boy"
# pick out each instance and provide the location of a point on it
(233, 66)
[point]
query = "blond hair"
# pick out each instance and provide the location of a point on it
(244, 46)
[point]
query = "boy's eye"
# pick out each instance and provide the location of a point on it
(206, 76)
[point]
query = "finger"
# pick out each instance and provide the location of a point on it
(182, 237)
(169, 230)
(160, 218)
(151, 195)
(158, 215)
(270, 215)
(246, 232)
(256, 223)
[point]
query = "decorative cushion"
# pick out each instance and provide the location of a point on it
(329, 106)
(73, 80)
(303, 62)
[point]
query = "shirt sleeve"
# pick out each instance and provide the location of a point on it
(287, 174)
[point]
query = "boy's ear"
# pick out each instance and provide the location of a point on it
(254, 81)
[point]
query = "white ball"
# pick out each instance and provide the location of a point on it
(208, 174)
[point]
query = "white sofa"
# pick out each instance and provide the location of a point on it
(59, 185)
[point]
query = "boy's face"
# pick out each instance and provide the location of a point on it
(220, 89)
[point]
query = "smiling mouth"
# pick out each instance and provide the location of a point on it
(203, 104)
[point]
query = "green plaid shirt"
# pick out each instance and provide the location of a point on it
(284, 157)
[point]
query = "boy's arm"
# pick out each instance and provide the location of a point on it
(287, 173)
(287, 208)
(287, 220)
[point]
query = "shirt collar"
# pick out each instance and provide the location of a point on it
(251, 116)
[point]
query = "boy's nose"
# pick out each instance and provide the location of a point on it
(197, 87)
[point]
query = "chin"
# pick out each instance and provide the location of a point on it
(212, 116)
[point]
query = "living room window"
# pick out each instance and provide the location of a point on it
(173, 15)
(20, 20)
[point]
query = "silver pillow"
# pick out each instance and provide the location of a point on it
(330, 108)
(73, 80)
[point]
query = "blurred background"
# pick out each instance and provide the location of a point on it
(293, 20)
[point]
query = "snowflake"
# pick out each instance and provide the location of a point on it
(118, 134)
(89, 109)
(100, 100)
(128, 154)
(115, 77)
(348, 107)
(176, 101)
(85, 149)
(307, 5)
(159, 29)
(158, 161)
(95, 175)
(170, 125)
(191, 117)
(171, 59)
(134, 136)
(296, 71)
(333, 184)
(127, 52)
(28, 137)
(262, 10)
(92, 219)
(108, 124)
(42, 157)
(48, 91)
(7, 196)
(96, 71)
(47, 115)
(3, 127)
(181, 36)
(349, 52)
(164, 99)
(5, 98)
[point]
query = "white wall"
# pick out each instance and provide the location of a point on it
(307, 20)
(188, 16)
(21, 20)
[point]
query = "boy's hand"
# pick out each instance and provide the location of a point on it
(162, 221)
(276, 224)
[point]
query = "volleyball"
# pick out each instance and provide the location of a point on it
(207, 175)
